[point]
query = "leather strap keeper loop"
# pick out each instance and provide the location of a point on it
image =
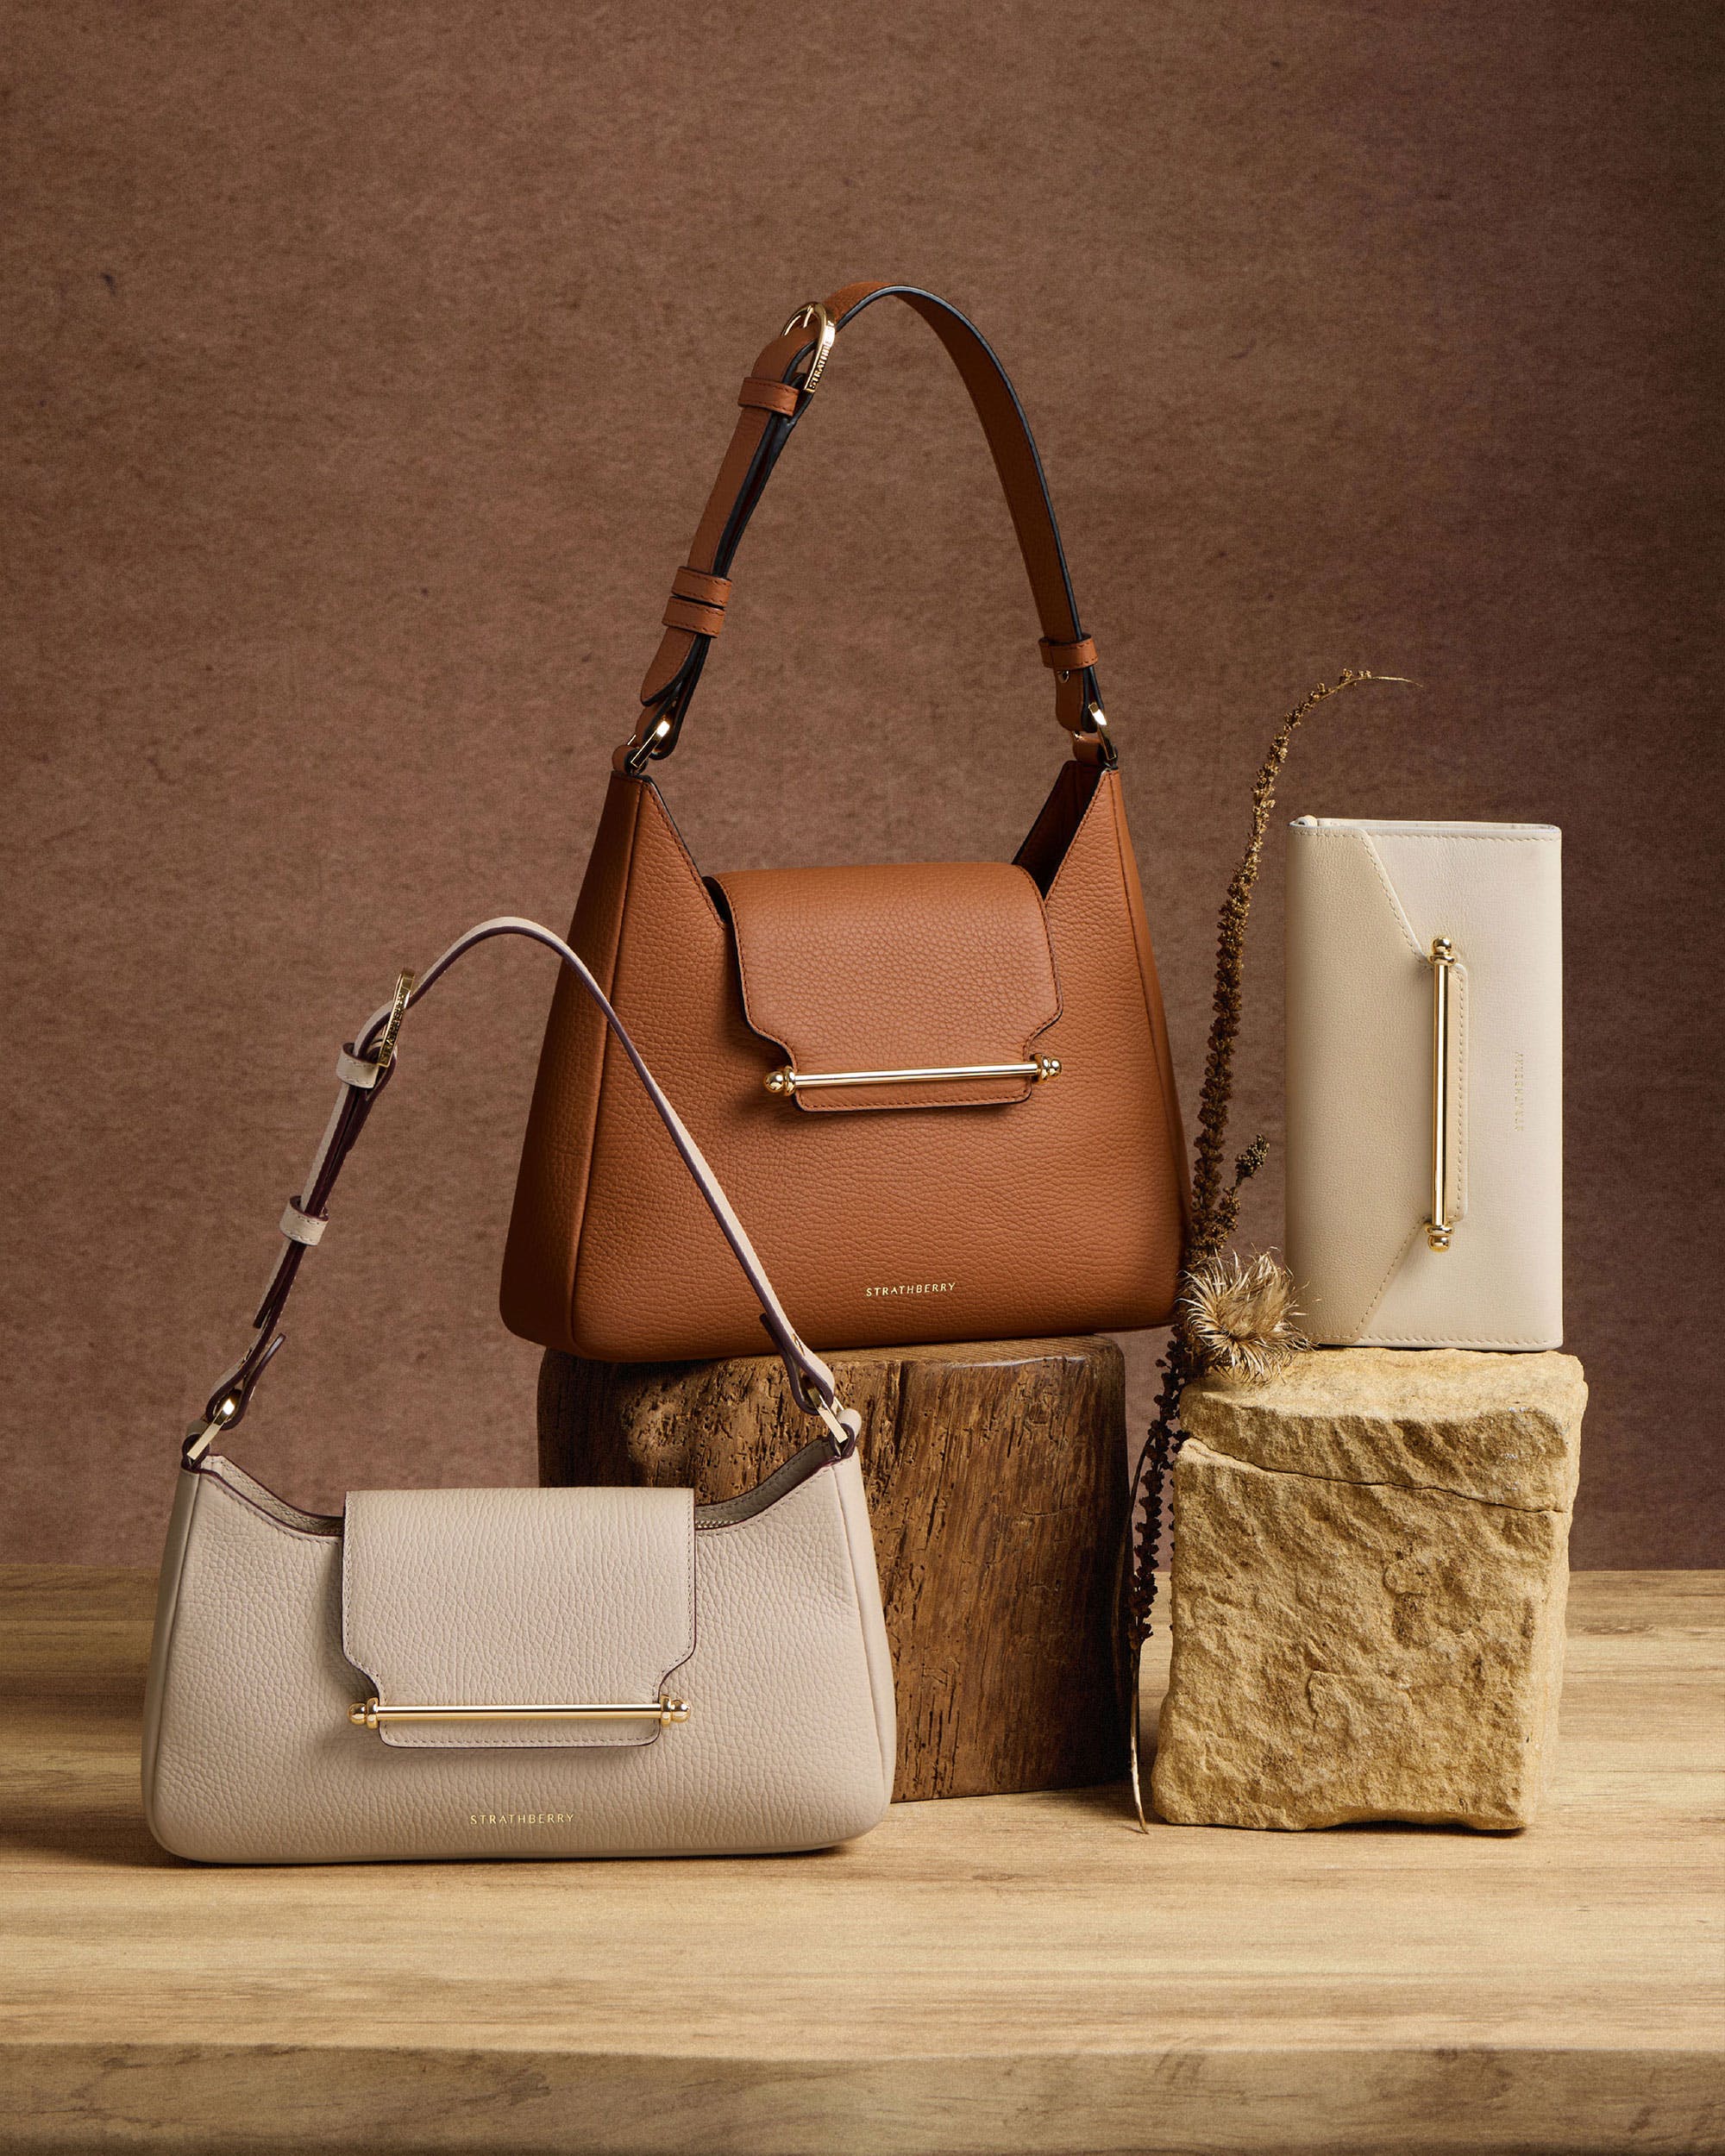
(765, 396)
(695, 584)
(690, 615)
(301, 1227)
(355, 1071)
(1068, 658)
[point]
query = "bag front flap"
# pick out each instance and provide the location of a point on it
(475, 1598)
(918, 966)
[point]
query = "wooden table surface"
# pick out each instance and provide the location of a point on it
(988, 1974)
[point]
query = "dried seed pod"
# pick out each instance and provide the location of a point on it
(1241, 1318)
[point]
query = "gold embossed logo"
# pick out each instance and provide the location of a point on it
(915, 1288)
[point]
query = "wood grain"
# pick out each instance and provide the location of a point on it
(996, 1481)
(1008, 1973)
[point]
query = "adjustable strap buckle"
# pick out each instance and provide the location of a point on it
(813, 315)
(384, 1055)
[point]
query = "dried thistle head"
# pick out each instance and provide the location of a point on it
(1241, 1318)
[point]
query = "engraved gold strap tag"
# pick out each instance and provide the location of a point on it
(385, 1055)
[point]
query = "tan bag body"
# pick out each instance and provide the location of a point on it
(1031, 1181)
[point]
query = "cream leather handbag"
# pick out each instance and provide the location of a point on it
(515, 1672)
(1425, 1082)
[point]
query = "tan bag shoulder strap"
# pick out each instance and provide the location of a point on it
(773, 397)
(364, 1067)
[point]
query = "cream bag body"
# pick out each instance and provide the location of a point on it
(1425, 1082)
(515, 1672)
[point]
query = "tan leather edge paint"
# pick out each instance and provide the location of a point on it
(537, 1292)
(1152, 983)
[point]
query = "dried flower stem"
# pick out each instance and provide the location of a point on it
(1209, 1202)
(1215, 1206)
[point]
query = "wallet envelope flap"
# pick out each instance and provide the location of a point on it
(912, 966)
(1360, 1100)
(518, 1597)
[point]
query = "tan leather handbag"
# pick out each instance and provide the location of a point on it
(968, 1059)
(515, 1672)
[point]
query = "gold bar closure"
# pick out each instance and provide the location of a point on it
(371, 1714)
(1439, 1228)
(789, 1080)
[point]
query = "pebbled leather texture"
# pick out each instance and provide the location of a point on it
(249, 1758)
(494, 1597)
(1365, 901)
(1060, 1212)
(910, 967)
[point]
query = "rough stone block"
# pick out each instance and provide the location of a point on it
(1371, 1561)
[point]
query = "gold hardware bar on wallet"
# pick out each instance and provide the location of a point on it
(1439, 1228)
(370, 1714)
(789, 1079)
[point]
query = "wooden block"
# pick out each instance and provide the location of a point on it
(1370, 1559)
(996, 1480)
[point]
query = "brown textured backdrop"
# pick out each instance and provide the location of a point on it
(367, 367)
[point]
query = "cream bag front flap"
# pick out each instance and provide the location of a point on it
(1425, 1082)
(463, 1673)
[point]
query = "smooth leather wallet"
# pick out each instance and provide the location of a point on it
(1425, 1082)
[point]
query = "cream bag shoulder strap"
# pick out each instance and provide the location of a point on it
(364, 1067)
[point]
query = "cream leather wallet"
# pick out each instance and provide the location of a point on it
(1425, 1082)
